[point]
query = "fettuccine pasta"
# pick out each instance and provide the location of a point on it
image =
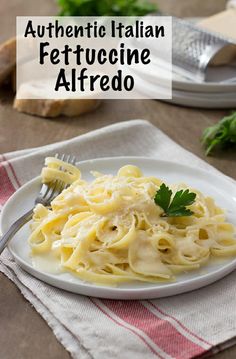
(110, 230)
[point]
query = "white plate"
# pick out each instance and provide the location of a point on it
(222, 189)
(152, 87)
(190, 99)
(159, 74)
(207, 100)
(214, 82)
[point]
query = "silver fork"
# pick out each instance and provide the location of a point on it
(46, 195)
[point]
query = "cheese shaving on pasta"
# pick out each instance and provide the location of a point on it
(110, 230)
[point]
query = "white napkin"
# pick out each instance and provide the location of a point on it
(181, 327)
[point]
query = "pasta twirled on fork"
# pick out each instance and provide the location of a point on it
(110, 230)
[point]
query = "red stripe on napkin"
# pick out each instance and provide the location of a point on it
(12, 170)
(6, 187)
(160, 331)
(179, 323)
(97, 303)
(158, 334)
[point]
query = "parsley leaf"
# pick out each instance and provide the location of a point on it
(176, 207)
(105, 7)
(222, 134)
(163, 196)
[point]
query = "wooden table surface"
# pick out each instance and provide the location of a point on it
(23, 333)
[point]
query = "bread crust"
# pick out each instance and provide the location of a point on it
(7, 59)
(55, 108)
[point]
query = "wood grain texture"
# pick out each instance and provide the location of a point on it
(23, 332)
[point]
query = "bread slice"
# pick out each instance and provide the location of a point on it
(54, 108)
(7, 59)
(13, 79)
(31, 99)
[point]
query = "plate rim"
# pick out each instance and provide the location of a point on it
(191, 98)
(150, 292)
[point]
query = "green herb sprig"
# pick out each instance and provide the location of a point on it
(177, 206)
(222, 135)
(105, 7)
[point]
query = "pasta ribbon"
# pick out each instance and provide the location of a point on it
(109, 231)
(57, 169)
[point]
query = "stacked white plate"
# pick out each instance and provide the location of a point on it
(218, 91)
(153, 81)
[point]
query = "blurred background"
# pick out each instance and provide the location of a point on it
(182, 8)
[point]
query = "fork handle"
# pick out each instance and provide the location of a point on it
(15, 228)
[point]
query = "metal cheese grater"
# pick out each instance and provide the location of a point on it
(194, 48)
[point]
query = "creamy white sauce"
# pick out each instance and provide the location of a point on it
(49, 262)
